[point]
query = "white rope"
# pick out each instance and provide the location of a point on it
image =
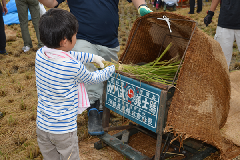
(168, 22)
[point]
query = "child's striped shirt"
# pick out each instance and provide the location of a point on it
(57, 81)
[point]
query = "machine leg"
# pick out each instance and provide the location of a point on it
(160, 124)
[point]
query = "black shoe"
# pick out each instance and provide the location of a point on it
(94, 121)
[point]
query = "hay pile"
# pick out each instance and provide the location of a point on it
(201, 103)
(231, 129)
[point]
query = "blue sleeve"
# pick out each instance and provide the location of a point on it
(98, 76)
(82, 56)
(129, 1)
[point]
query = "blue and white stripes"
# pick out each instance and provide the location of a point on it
(57, 81)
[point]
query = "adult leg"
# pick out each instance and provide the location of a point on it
(164, 6)
(225, 37)
(192, 4)
(175, 7)
(160, 3)
(237, 37)
(95, 91)
(22, 8)
(35, 14)
(2, 33)
(157, 4)
(199, 4)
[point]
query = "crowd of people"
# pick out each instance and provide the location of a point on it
(67, 83)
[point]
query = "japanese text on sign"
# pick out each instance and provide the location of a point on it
(134, 101)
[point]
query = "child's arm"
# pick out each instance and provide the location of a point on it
(82, 56)
(94, 77)
(87, 57)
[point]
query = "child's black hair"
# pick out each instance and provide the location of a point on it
(56, 25)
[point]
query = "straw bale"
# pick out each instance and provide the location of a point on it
(231, 129)
(201, 103)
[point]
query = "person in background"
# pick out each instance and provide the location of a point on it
(60, 75)
(3, 9)
(97, 34)
(170, 3)
(22, 8)
(158, 3)
(192, 6)
(228, 28)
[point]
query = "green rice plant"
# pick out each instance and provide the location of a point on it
(19, 88)
(12, 121)
(156, 71)
(22, 105)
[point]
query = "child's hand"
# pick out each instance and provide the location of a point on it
(98, 59)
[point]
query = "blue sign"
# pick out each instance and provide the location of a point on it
(134, 100)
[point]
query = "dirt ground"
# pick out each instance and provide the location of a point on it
(88, 152)
(18, 98)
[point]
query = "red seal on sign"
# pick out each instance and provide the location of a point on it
(130, 93)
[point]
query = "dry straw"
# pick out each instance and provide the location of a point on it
(157, 71)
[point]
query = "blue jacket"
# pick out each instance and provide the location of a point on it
(98, 20)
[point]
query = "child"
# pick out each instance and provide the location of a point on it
(60, 75)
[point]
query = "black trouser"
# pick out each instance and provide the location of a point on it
(2, 31)
(199, 6)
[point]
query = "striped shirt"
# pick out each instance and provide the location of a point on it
(57, 81)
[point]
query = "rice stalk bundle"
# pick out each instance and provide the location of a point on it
(156, 71)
